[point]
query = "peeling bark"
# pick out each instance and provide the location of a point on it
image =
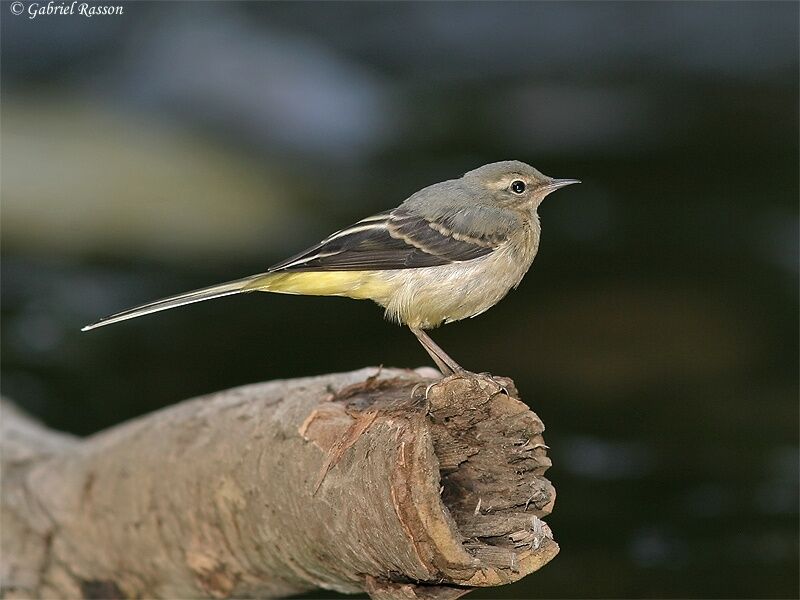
(396, 483)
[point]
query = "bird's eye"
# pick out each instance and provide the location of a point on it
(517, 186)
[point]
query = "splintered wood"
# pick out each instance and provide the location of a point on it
(490, 456)
(492, 460)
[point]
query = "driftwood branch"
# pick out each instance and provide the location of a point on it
(399, 484)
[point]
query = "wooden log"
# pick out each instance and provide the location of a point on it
(388, 481)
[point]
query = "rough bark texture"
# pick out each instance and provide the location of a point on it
(399, 484)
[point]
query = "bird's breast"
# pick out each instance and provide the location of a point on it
(429, 296)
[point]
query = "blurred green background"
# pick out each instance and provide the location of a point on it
(183, 144)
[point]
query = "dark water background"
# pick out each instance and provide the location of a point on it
(183, 144)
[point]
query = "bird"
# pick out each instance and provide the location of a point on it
(450, 251)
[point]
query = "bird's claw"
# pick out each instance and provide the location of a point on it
(490, 377)
(428, 388)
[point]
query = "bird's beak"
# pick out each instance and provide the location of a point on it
(556, 184)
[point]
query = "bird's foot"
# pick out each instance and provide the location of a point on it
(500, 382)
(428, 389)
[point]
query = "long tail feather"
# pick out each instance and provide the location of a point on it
(215, 291)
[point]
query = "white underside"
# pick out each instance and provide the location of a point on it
(429, 296)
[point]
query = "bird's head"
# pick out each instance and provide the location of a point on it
(514, 184)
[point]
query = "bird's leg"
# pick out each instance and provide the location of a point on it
(446, 364)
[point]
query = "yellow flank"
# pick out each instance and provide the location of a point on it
(352, 284)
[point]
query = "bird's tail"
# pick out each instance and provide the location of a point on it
(353, 284)
(208, 293)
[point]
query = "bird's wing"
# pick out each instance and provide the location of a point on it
(397, 239)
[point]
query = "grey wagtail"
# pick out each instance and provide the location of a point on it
(450, 251)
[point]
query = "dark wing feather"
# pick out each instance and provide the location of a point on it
(393, 240)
